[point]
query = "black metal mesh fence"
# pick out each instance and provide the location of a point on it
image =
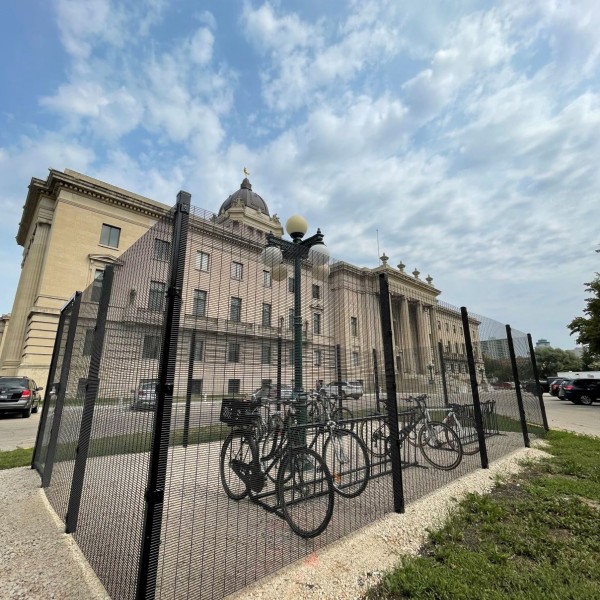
(255, 383)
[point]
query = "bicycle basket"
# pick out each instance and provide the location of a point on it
(238, 412)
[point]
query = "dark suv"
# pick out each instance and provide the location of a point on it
(580, 391)
(19, 394)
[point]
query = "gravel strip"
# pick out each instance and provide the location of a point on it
(347, 568)
(39, 561)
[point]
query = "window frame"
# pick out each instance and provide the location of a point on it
(153, 294)
(196, 303)
(200, 256)
(164, 254)
(237, 270)
(232, 314)
(109, 229)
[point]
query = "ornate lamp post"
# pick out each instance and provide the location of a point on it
(276, 251)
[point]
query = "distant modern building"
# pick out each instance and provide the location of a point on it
(543, 343)
(495, 348)
(73, 226)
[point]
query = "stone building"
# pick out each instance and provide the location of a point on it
(73, 226)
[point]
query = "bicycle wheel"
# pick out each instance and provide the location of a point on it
(374, 433)
(343, 417)
(306, 497)
(440, 446)
(348, 460)
(469, 440)
(238, 448)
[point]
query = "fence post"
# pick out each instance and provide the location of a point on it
(443, 371)
(515, 370)
(474, 388)
(61, 392)
(157, 468)
(188, 391)
(390, 386)
(91, 394)
(338, 374)
(537, 382)
(51, 373)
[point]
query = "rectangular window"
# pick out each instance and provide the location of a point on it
(447, 327)
(162, 249)
(456, 347)
(110, 236)
(233, 386)
(156, 296)
(88, 342)
(199, 350)
(355, 359)
(233, 352)
(151, 346)
(317, 323)
(197, 387)
(202, 261)
(316, 292)
(266, 315)
(439, 326)
(317, 358)
(97, 285)
(235, 309)
(354, 326)
(267, 279)
(237, 271)
(265, 354)
(291, 284)
(199, 307)
(291, 318)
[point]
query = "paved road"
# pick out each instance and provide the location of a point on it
(16, 432)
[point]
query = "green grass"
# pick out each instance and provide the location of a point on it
(536, 536)
(21, 457)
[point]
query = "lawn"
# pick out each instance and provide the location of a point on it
(536, 536)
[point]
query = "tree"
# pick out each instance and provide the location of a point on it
(552, 360)
(588, 328)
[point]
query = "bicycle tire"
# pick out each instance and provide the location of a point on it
(348, 461)
(438, 441)
(313, 412)
(470, 448)
(245, 452)
(341, 414)
(307, 505)
(374, 433)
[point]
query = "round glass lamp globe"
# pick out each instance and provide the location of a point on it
(271, 256)
(296, 224)
(279, 272)
(318, 254)
(321, 272)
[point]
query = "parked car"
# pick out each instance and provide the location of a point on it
(144, 397)
(580, 391)
(555, 385)
(19, 394)
(268, 391)
(530, 386)
(348, 388)
(503, 385)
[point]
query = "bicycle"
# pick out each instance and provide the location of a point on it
(304, 487)
(439, 444)
(471, 446)
(321, 402)
(344, 452)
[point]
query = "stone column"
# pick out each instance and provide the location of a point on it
(407, 346)
(27, 292)
(434, 337)
(422, 337)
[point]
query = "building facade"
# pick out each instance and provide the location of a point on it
(73, 226)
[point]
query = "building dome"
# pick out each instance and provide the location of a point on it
(247, 197)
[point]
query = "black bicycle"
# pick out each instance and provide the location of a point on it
(344, 451)
(439, 444)
(304, 487)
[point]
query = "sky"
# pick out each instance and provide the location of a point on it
(461, 137)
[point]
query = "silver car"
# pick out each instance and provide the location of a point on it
(145, 396)
(353, 389)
